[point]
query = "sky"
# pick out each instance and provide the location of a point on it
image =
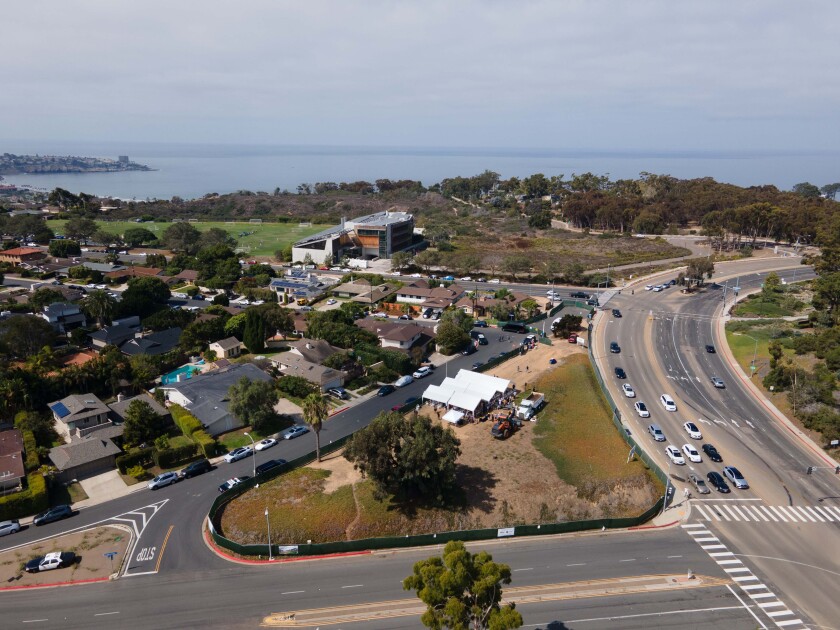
(708, 75)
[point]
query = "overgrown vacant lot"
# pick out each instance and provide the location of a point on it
(570, 465)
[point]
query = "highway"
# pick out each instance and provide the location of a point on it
(787, 522)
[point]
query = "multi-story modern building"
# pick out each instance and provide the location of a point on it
(373, 236)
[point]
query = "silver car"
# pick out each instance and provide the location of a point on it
(9, 527)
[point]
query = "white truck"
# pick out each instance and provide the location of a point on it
(530, 405)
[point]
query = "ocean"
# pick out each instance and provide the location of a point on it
(190, 170)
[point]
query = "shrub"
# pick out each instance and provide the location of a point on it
(206, 442)
(31, 501)
(138, 472)
(184, 420)
(296, 386)
(167, 458)
(30, 447)
(140, 457)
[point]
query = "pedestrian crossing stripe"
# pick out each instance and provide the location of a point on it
(746, 581)
(767, 513)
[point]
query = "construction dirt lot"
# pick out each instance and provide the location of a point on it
(507, 481)
(90, 547)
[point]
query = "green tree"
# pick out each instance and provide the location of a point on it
(24, 335)
(827, 294)
(450, 338)
(400, 260)
(253, 402)
(515, 264)
(216, 236)
(698, 269)
(566, 325)
(80, 228)
(144, 296)
(410, 457)
(806, 189)
(772, 284)
(136, 236)
(182, 237)
(144, 370)
(831, 190)
(315, 411)
(64, 248)
(253, 335)
(235, 326)
(100, 306)
(44, 297)
(142, 423)
(427, 259)
(463, 591)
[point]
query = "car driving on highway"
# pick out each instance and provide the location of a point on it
(614, 347)
(692, 453)
(620, 373)
(734, 475)
(641, 409)
(699, 484)
(674, 455)
(718, 382)
(718, 482)
(628, 390)
(238, 453)
(693, 431)
(712, 453)
(656, 432)
(668, 402)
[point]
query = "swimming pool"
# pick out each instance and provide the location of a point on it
(185, 372)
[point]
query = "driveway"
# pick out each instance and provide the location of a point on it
(106, 487)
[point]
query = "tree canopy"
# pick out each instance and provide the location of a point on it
(142, 423)
(463, 591)
(253, 402)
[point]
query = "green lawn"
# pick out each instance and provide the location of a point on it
(755, 306)
(742, 341)
(235, 439)
(576, 431)
(61, 494)
(262, 239)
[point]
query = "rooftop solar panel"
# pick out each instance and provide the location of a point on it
(60, 409)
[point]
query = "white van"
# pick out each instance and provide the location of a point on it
(668, 402)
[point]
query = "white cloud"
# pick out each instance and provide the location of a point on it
(715, 74)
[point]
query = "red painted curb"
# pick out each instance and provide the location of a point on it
(335, 413)
(20, 588)
(227, 556)
(653, 526)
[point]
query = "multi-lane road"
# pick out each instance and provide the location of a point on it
(787, 524)
(777, 563)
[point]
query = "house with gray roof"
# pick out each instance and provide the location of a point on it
(119, 408)
(84, 457)
(63, 317)
(78, 415)
(152, 344)
(12, 469)
(313, 350)
(227, 348)
(292, 364)
(206, 395)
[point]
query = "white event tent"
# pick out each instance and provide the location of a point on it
(467, 390)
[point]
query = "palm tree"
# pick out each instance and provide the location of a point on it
(315, 411)
(100, 305)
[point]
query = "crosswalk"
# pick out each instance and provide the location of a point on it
(765, 601)
(760, 513)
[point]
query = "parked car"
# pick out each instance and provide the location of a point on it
(718, 382)
(54, 560)
(718, 482)
(692, 453)
(385, 390)
(480, 323)
(674, 455)
(338, 392)
(238, 453)
(9, 527)
(53, 514)
(656, 432)
(693, 431)
(196, 468)
(230, 483)
(331, 301)
(405, 317)
(699, 484)
(404, 380)
(629, 392)
(477, 365)
(712, 453)
(422, 372)
(482, 340)
(296, 431)
(734, 475)
(668, 402)
(266, 443)
(620, 373)
(163, 480)
(614, 347)
(271, 463)
(470, 349)
(642, 410)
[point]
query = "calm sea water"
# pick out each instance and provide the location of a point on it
(191, 171)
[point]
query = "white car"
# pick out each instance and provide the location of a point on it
(163, 480)
(423, 371)
(648, 287)
(466, 279)
(238, 453)
(404, 380)
(642, 410)
(657, 288)
(331, 301)
(493, 281)
(668, 402)
(674, 455)
(628, 390)
(692, 453)
(693, 431)
(266, 443)
(416, 275)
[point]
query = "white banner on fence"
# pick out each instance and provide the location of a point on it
(506, 531)
(287, 549)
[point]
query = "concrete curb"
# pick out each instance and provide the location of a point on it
(208, 540)
(54, 584)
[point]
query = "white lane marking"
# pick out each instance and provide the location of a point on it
(752, 426)
(808, 516)
(707, 539)
(748, 608)
(793, 514)
(628, 560)
(741, 569)
(116, 612)
(779, 613)
(811, 510)
(727, 562)
(654, 614)
(780, 514)
(707, 547)
(745, 578)
(783, 624)
(754, 587)
(761, 595)
(769, 513)
(720, 554)
(528, 569)
(728, 509)
(824, 513)
(34, 620)
(577, 564)
(703, 512)
(771, 604)
(353, 586)
(735, 507)
(833, 510)
(292, 592)
(693, 525)
(674, 556)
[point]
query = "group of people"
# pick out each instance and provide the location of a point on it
(499, 401)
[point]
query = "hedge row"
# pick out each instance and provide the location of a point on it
(169, 457)
(30, 448)
(142, 457)
(191, 427)
(31, 501)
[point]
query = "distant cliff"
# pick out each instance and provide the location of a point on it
(11, 164)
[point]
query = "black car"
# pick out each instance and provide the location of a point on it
(710, 349)
(470, 349)
(272, 463)
(712, 453)
(616, 312)
(719, 483)
(579, 294)
(477, 365)
(53, 514)
(196, 468)
(620, 373)
(385, 390)
(410, 401)
(614, 348)
(480, 323)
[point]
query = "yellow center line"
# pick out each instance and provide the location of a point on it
(163, 547)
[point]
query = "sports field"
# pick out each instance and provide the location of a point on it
(256, 239)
